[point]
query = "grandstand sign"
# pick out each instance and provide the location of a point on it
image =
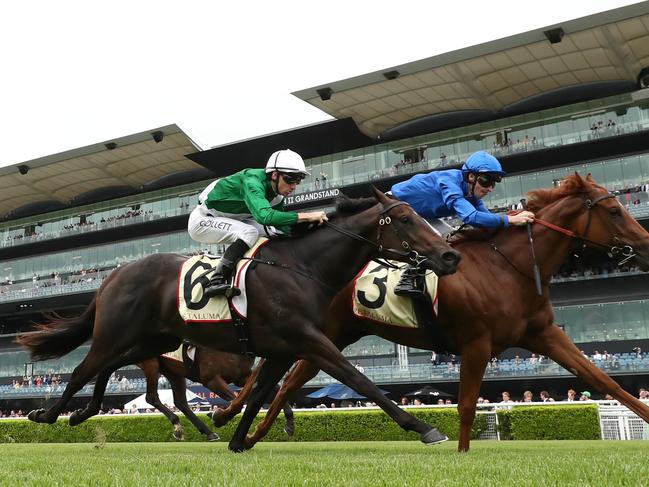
(322, 194)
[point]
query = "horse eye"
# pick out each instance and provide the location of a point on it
(615, 211)
(405, 219)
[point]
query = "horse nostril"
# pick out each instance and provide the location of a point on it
(451, 257)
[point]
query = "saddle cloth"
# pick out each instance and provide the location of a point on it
(193, 307)
(374, 297)
(177, 355)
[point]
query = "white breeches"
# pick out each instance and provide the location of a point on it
(213, 227)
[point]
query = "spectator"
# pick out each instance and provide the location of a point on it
(528, 396)
(506, 397)
(545, 396)
(405, 401)
(572, 395)
(585, 396)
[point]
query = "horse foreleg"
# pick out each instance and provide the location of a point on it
(300, 375)
(222, 416)
(556, 345)
(324, 354)
(475, 357)
(179, 389)
(269, 375)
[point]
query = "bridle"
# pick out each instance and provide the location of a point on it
(619, 249)
(385, 221)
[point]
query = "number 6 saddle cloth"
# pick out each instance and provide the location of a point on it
(193, 307)
(374, 297)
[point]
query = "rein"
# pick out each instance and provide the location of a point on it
(385, 220)
(622, 249)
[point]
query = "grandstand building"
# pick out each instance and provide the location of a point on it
(564, 98)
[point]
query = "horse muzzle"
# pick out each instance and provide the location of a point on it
(443, 264)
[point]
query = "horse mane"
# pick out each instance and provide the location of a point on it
(540, 198)
(350, 206)
(344, 206)
(472, 234)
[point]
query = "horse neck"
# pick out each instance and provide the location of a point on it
(336, 258)
(551, 247)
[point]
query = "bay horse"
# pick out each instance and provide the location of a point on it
(291, 283)
(491, 302)
(212, 368)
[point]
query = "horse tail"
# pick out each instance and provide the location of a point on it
(58, 336)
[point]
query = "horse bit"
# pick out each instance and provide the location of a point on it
(620, 249)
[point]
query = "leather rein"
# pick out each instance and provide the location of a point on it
(385, 221)
(620, 249)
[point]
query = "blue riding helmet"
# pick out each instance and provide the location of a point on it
(483, 162)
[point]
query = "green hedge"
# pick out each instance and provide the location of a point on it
(555, 422)
(550, 423)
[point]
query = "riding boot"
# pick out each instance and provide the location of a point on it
(410, 284)
(220, 281)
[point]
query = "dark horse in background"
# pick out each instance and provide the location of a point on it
(134, 315)
(212, 368)
(491, 303)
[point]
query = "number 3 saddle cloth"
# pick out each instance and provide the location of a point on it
(196, 308)
(374, 297)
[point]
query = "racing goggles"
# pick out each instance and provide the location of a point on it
(293, 177)
(487, 181)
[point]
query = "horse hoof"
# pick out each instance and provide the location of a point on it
(35, 415)
(76, 418)
(179, 435)
(213, 437)
(289, 429)
(218, 420)
(236, 447)
(209, 415)
(433, 437)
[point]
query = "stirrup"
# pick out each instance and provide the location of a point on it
(216, 287)
(413, 293)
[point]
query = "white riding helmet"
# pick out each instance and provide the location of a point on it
(286, 161)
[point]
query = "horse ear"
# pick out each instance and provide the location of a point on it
(579, 179)
(379, 195)
(589, 177)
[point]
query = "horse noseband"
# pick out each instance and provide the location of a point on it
(620, 249)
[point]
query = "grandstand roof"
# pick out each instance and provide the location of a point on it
(591, 57)
(100, 171)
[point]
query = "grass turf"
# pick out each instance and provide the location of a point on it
(596, 463)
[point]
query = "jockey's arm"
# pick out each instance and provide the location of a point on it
(255, 199)
(478, 217)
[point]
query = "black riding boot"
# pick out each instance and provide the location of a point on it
(220, 281)
(409, 285)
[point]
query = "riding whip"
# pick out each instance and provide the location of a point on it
(537, 272)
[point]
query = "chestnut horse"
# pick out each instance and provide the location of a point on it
(290, 284)
(491, 302)
(212, 368)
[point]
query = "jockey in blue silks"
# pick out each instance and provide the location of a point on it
(454, 192)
